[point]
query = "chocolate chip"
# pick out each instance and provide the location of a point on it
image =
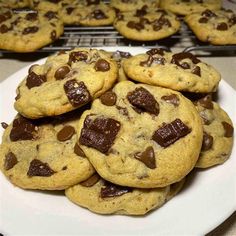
(203, 20)
(61, 72)
(222, 26)
(208, 13)
(122, 110)
(77, 93)
(92, 180)
(147, 63)
(206, 102)
(53, 35)
(204, 118)
(65, 133)
(155, 51)
(176, 58)
(159, 23)
(30, 30)
(50, 15)
(229, 130)
(5, 16)
(232, 21)
(147, 157)
(142, 99)
(102, 65)
(185, 65)
(141, 12)
(23, 129)
(117, 55)
(4, 29)
(92, 2)
(173, 99)
(99, 133)
(135, 25)
(196, 70)
(78, 151)
(69, 10)
(112, 190)
(170, 133)
(31, 68)
(77, 56)
(34, 80)
(32, 16)
(10, 161)
(98, 14)
(38, 168)
(108, 98)
(4, 125)
(64, 168)
(207, 142)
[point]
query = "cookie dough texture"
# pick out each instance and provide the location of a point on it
(28, 30)
(124, 200)
(42, 155)
(219, 26)
(183, 7)
(146, 24)
(65, 82)
(14, 3)
(218, 134)
(132, 151)
(181, 71)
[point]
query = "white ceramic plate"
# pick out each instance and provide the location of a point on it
(207, 200)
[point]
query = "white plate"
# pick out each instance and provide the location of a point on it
(207, 200)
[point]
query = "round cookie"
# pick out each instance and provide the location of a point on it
(219, 26)
(146, 24)
(180, 71)
(134, 135)
(185, 7)
(27, 30)
(133, 5)
(43, 154)
(103, 197)
(65, 82)
(217, 133)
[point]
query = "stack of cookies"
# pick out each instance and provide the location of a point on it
(116, 146)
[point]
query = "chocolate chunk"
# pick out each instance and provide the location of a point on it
(77, 93)
(159, 23)
(185, 65)
(4, 29)
(207, 142)
(229, 129)
(222, 26)
(92, 180)
(99, 133)
(4, 125)
(53, 35)
(65, 133)
(155, 51)
(170, 133)
(203, 115)
(69, 10)
(135, 25)
(77, 56)
(108, 98)
(23, 129)
(38, 168)
(102, 65)
(117, 55)
(176, 58)
(64, 168)
(61, 72)
(208, 13)
(30, 30)
(98, 14)
(10, 161)
(147, 63)
(142, 99)
(203, 20)
(50, 15)
(92, 2)
(147, 157)
(123, 111)
(206, 102)
(173, 99)
(196, 70)
(5, 16)
(113, 190)
(141, 12)
(78, 151)
(32, 16)
(34, 80)
(232, 21)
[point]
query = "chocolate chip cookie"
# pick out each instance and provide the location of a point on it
(44, 154)
(65, 82)
(146, 24)
(218, 133)
(25, 30)
(219, 26)
(104, 197)
(180, 71)
(185, 7)
(134, 135)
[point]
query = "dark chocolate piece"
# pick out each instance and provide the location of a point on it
(61, 72)
(98, 14)
(53, 35)
(155, 51)
(10, 161)
(50, 15)
(203, 20)
(102, 65)
(4, 125)
(78, 151)
(34, 80)
(208, 13)
(206, 102)
(108, 98)
(147, 157)
(222, 26)
(32, 16)
(38, 168)
(173, 99)
(229, 129)
(196, 70)
(30, 30)
(92, 180)
(207, 142)
(77, 56)
(176, 58)
(65, 133)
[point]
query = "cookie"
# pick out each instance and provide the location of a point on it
(44, 154)
(185, 7)
(146, 24)
(134, 135)
(103, 197)
(14, 3)
(27, 30)
(217, 136)
(133, 5)
(219, 26)
(65, 82)
(180, 71)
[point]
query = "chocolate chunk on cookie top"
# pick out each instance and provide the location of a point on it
(138, 140)
(38, 168)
